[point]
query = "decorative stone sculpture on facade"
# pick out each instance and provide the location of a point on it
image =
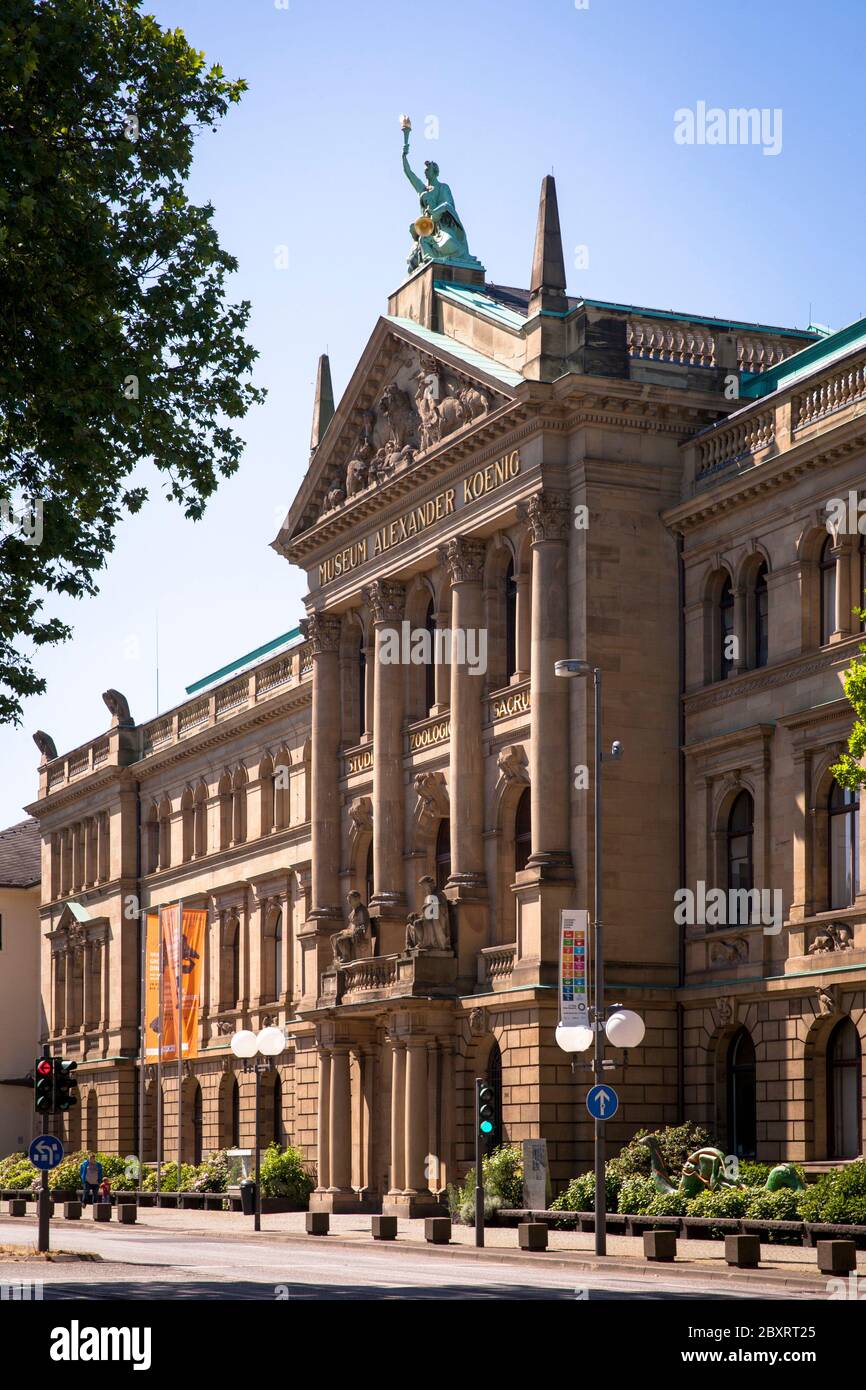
(836, 936)
(347, 943)
(429, 929)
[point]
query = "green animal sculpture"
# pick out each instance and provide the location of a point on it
(705, 1170)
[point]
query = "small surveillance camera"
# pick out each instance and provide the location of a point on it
(616, 749)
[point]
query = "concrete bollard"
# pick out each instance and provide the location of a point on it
(532, 1235)
(437, 1230)
(17, 1206)
(384, 1228)
(834, 1256)
(744, 1252)
(317, 1223)
(127, 1213)
(660, 1245)
(101, 1211)
(72, 1211)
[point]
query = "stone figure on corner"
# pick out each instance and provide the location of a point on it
(429, 929)
(347, 943)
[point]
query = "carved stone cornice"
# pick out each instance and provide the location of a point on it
(322, 632)
(386, 600)
(464, 559)
(549, 516)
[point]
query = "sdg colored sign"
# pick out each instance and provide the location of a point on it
(574, 968)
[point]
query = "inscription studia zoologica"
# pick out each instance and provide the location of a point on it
(477, 484)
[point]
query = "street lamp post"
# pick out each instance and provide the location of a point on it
(576, 668)
(246, 1045)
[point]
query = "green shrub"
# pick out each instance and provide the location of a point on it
(213, 1174)
(502, 1178)
(283, 1174)
(753, 1174)
(726, 1201)
(676, 1142)
(17, 1172)
(838, 1197)
(783, 1205)
(578, 1196)
(66, 1177)
(168, 1178)
(668, 1204)
(636, 1195)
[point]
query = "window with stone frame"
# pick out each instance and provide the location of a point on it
(843, 846)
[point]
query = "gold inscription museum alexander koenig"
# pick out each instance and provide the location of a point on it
(420, 518)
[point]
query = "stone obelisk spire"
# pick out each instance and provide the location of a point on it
(323, 410)
(548, 303)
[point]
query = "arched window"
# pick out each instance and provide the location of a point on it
(282, 805)
(494, 1081)
(368, 874)
(225, 796)
(165, 833)
(510, 621)
(277, 1131)
(430, 671)
(151, 840)
(742, 1096)
(760, 614)
(827, 571)
(239, 806)
(197, 1126)
(266, 789)
(740, 838)
(200, 820)
(187, 811)
(443, 853)
(523, 831)
(278, 956)
(230, 962)
(362, 687)
(235, 1105)
(844, 1105)
(726, 630)
(843, 846)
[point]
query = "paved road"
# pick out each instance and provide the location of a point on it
(147, 1264)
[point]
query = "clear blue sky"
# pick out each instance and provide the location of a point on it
(310, 160)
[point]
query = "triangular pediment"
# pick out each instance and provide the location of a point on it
(413, 392)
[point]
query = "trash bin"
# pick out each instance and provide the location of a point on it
(248, 1197)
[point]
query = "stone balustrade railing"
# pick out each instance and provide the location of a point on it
(369, 973)
(697, 345)
(734, 443)
(832, 392)
(496, 964)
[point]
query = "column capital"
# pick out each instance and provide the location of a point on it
(386, 600)
(322, 631)
(464, 559)
(549, 516)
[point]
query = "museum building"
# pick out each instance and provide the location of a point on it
(510, 478)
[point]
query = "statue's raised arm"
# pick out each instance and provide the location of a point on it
(438, 234)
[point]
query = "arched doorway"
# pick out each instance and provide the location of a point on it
(844, 1086)
(742, 1095)
(494, 1081)
(443, 853)
(523, 831)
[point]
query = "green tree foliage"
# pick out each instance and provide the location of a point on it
(117, 343)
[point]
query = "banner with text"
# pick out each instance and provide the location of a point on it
(574, 968)
(164, 964)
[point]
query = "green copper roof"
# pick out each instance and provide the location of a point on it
(251, 657)
(806, 333)
(474, 298)
(805, 363)
(456, 349)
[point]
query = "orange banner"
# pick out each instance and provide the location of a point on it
(151, 986)
(191, 971)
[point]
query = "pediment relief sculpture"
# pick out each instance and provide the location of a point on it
(425, 403)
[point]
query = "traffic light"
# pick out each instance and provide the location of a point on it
(486, 1109)
(65, 1084)
(43, 1084)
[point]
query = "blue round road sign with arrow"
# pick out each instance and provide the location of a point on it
(46, 1152)
(602, 1102)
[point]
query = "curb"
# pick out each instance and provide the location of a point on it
(578, 1262)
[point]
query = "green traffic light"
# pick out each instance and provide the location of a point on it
(486, 1127)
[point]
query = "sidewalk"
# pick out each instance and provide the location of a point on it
(790, 1266)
